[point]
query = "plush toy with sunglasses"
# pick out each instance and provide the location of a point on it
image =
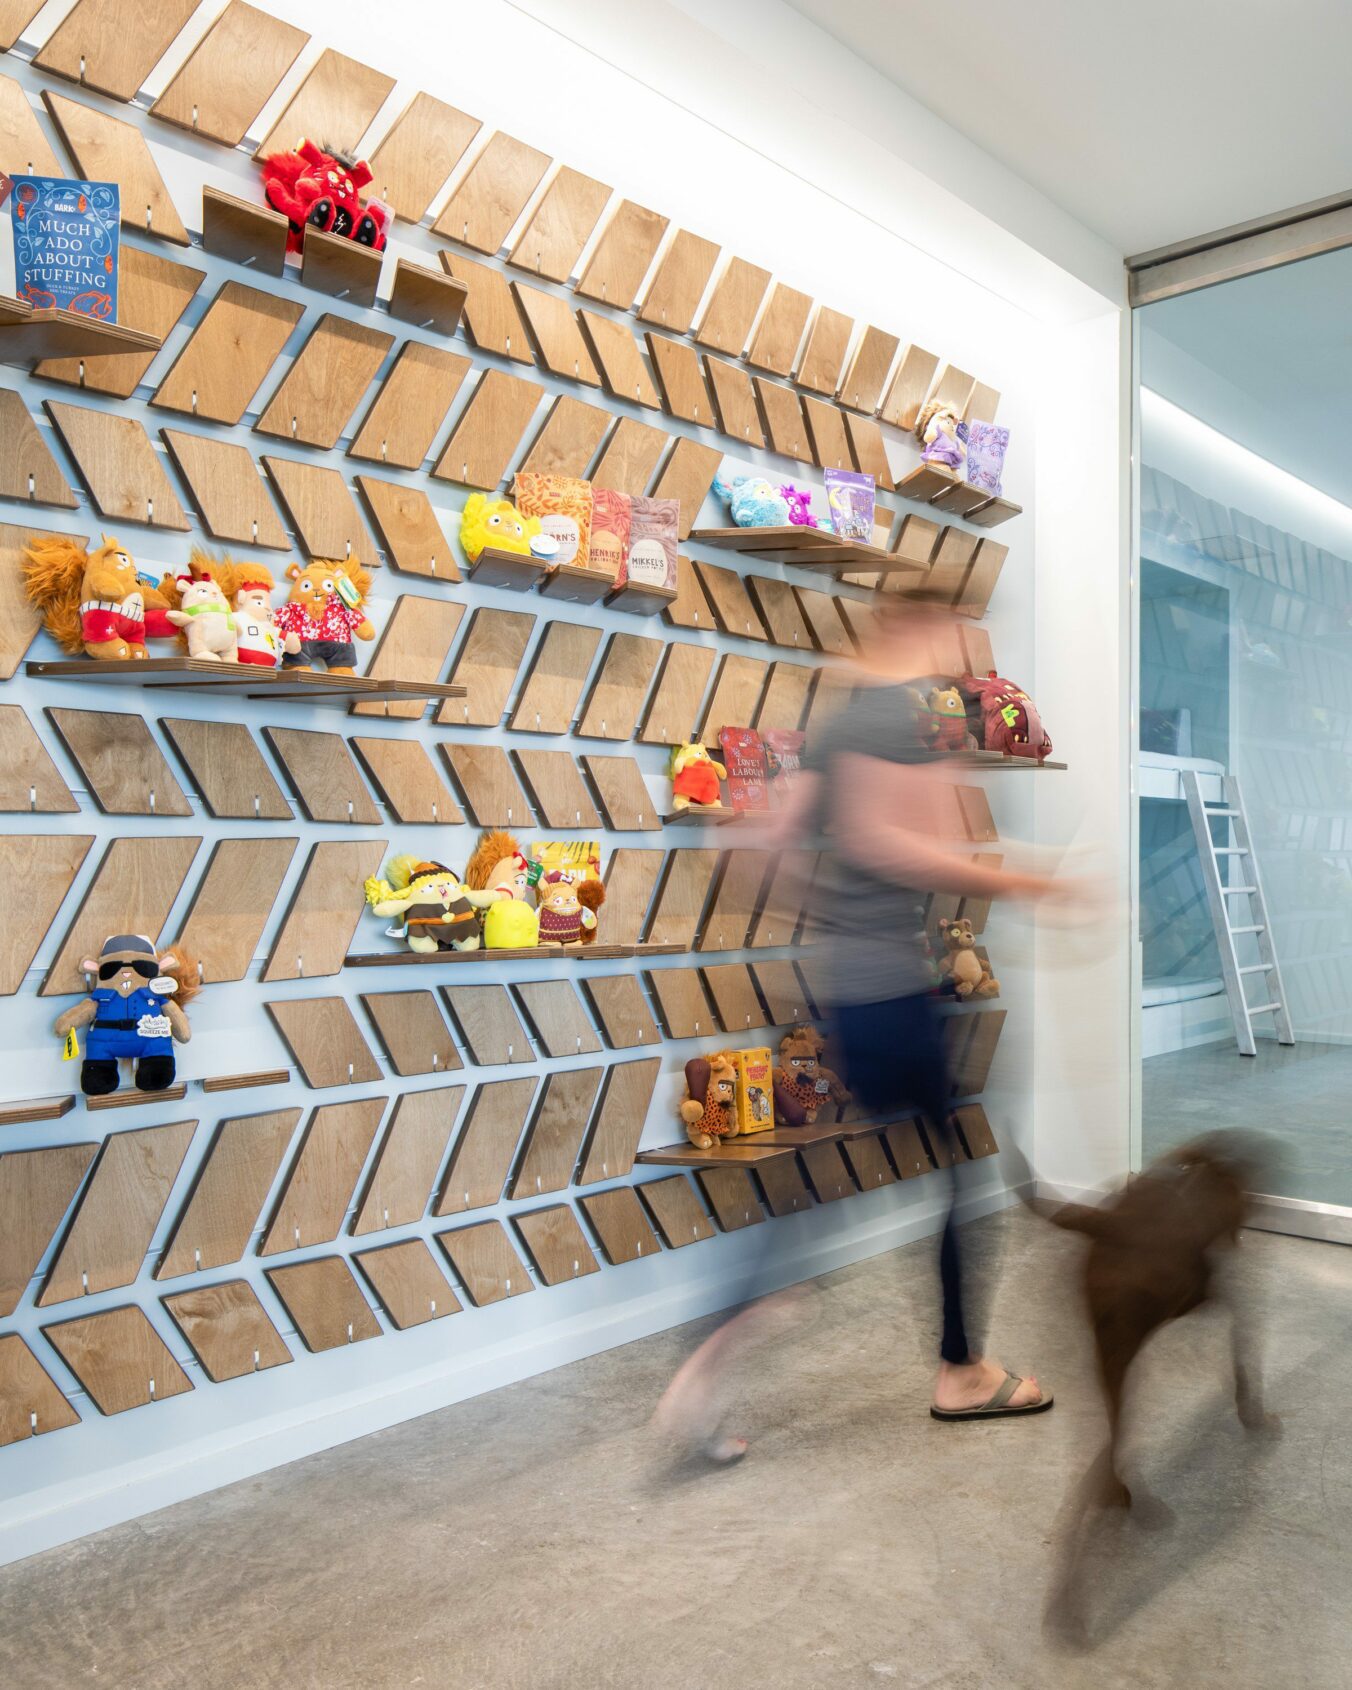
(133, 1014)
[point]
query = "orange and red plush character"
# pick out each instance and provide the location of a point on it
(316, 189)
(97, 602)
(948, 721)
(323, 613)
(1009, 719)
(708, 1110)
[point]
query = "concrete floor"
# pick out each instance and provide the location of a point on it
(530, 1539)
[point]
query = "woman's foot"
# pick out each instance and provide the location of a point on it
(973, 1383)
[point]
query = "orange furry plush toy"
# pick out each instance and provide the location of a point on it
(323, 613)
(96, 602)
(497, 864)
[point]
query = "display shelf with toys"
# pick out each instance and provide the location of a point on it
(521, 953)
(817, 549)
(194, 673)
(35, 1109)
(719, 1155)
(515, 571)
(27, 335)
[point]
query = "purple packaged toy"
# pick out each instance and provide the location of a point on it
(851, 499)
(800, 506)
(986, 447)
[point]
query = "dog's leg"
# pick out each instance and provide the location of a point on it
(1114, 1358)
(1248, 1377)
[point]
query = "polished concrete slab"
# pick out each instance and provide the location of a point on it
(536, 1537)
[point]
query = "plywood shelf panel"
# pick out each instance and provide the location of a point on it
(556, 334)
(780, 612)
(488, 434)
(555, 1244)
(19, 616)
(460, 960)
(630, 457)
(28, 471)
(321, 509)
(560, 225)
(806, 548)
(245, 1082)
(414, 401)
(630, 878)
(231, 496)
(232, 904)
(123, 769)
(411, 1287)
(24, 147)
(228, 354)
(785, 424)
(487, 1265)
(105, 149)
(620, 1224)
(554, 1136)
(35, 1109)
(341, 268)
(405, 1170)
(556, 789)
(486, 666)
(26, 335)
(323, 776)
(512, 570)
(326, 380)
(414, 643)
(130, 1097)
(417, 155)
(868, 450)
(231, 74)
(337, 100)
(781, 906)
(554, 678)
(405, 778)
(621, 793)
(492, 194)
(118, 465)
(133, 890)
(320, 1185)
(487, 782)
(571, 584)
(486, 1145)
(325, 1303)
(243, 232)
(30, 1403)
(228, 1330)
(412, 1032)
(37, 1188)
(676, 1212)
(636, 599)
(115, 1219)
(731, 1153)
(227, 1197)
(731, 1194)
(617, 362)
(690, 608)
(622, 255)
(409, 530)
(567, 441)
(323, 1036)
(489, 1025)
(119, 1359)
(325, 909)
(687, 475)
(673, 709)
(153, 293)
(618, 1003)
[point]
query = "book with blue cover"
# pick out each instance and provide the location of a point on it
(66, 244)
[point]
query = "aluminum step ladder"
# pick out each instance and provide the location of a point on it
(1227, 887)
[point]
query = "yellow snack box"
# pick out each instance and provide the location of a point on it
(755, 1090)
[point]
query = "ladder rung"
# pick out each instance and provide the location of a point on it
(1248, 930)
(1212, 812)
(1229, 890)
(1261, 1008)
(1229, 850)
(1257, 967)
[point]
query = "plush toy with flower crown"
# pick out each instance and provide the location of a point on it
(753, 502)
(316, 189)
(943, 438)
(324, 611)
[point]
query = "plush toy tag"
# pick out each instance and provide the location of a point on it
(71, 1048)
(349, 592)
(154, 1027)
(821, 1088)
(164, 984)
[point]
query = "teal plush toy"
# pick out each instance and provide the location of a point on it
(753, 502)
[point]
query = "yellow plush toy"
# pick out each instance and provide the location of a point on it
(495, 523)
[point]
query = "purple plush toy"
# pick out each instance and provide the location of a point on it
(800, 506)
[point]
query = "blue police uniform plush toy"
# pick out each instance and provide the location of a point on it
(131, 1015)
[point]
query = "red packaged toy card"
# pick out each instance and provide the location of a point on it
(744, 756)
(783, 757)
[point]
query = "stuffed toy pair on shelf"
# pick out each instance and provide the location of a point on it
(731, 1092)
(754, 502)
(219, 609)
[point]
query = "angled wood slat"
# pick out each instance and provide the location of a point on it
(687, 475)
(975, 1129)
(734, 397)
(232, 1182)
(37, 1188)
(618, 1003)
(785, 1190)
(19, 616)
(414, 645)
(823, 354)
(488, 435)
(412, 1032)
(861, 385)
(105, 149)
(325, 1303)
(785, 699)
(554, 678)
(907, 1149)
(325, 909)
(556, 1244)
(690, 608)
(407, 781)
(556, 1017)
(678, 283)
(232, 905)
(432, 300)
(952, 562)
(229, 353)
(133, 890)
(227, 770)
(411, 1287)
(46, 867)
(560, 225)
(28, 471)
(492, 317)
(973, 1058)
(782, 903)
(243, 232)
(408, 529)
(975, 594)
(316, 397)
(779, 333)
(952, 386)
(119, 1359)
(152, 294)
(30, 1403)
(491, 195)
(727, 594)
(782, 988)
(615, 698)
(619, 1121)
(857, 617)
(321, 510)
(681, 898)
(28, 777)
(617, 359)
(337, 101)
(681, 1002)
(737, 691)
(15, 17)
(556, 335)
(323, 1036)
(420, 150)
(118, 466)
(488, 785)
(568, 439)
(489, 1025)
(323, 1176)
(726, 320)
(486, 666)
(620, 1224)
(227, 1329)
(487, 1265)
(738, 900)
(676, 1212)
(230, 493)
(826, 434)
(733, 990)
(346, 269)
(732, 1197)
(554, 1135)
(486, 1146)
(673, 708)
(623, 797)
(785, 425)
(824, 621)
(680, 380)
(111, 46)
(231, 74)
(630, 878)
(412, 403)
(780, 611)
(911, 381)
(631, 455)
(323, 776)
(867, 1161)
(868, 449)
(24, 148)
(622, 255)
(556, 789)
(827, 1169)
(405, 1168)
(119, 1208)
(122, 767)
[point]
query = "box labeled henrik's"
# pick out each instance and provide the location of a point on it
(66, 244)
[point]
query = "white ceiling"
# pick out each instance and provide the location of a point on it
(1148, 120)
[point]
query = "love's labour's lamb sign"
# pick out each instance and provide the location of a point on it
(66, 244)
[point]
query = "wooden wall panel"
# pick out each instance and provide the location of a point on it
(231, 495)
(615, 698)
(325, 909)
(407, 781)
(680, 999)
(492, 194)
(492, 794)
(785, 699)
(24, 148)
(420, 150)
(319, 1187)
(678, 282)
(232, 1183)
(406, 1165)
(412, 1032)
(491, 316)
(337, 100)
(489, 1026)
(227, 769)
(413, 402)
(554, 1136)
(618, 1003)
(734, 995)
(725, 323)
(323, 776)
(28, 471)
(622, 255)
(486, 1146)
(133, 890)
(486, 438)
(556, 335)
(785, 425)
(676, 1212)
(729, 599)
(19, 616)
(323, 1036)
(123, 769)
(630, 877)
(408, 529)
(119, 1358)
(152, 294)
(232, 904)
(779, 333)
(321, 510)
(568, 439)
(739, 898)
(555, 1244)
(325, 1303)
(118, 465)
(618, 360)
(557, 1019)
(231, 74)
(325, 382)
(228, 355)
(411, 1287)
(560, 225)
(228, 1330)
(36, 1190)
(28, 777)
(488, 1267)
(556, 789)
(906, 391)
(680, 901)
(105, 149)
(630, 457)
(620, 1224)
(673, 709)
(623, 796)
(732, 1197)
(46, 868)
(823, 354)
(861, 386)
(734, 401)
(555, 678)
(414, 645)
(486, 666)
(685, 393)
(737, 692)
(30, 1403)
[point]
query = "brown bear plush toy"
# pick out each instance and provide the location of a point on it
(802, 1085)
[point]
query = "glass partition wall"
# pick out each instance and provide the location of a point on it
(1245, 726)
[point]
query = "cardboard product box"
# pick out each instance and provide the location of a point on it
(755, 1090)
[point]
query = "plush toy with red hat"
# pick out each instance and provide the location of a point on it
(317, 189)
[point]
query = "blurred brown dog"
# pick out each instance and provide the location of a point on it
(1155, 1253)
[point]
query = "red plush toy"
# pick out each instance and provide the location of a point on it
(319, 189)
(1009, 719)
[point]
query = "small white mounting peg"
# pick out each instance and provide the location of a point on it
(84, 1283)
(150, 509)
(197, 1260)
(82, 69)
(294, 426)
(432, 1304)
(349, 1331)
(507, 1285)
(33, 798)
(387, 1217)
(257, 1361)
(148, 219)
(152, 1390)
(255, 527)
(258, 808)
(33, 1423)
(194, 401)
(32, 487)
(152, 800)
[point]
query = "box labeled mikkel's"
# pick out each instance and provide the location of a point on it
(66, 244)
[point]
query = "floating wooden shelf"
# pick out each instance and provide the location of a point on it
(26, 334)
(951, 493)
(35, 1109)
(998, 760)
(244, 233)
(131, 1098)
(703, 815)
(335, 265)
(430, 299)
(576, 585)
(732, 1153)
(512, 570)
(240, 1082)
(807, 548)
(640, 600)
(194, 673)
(534, 953)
